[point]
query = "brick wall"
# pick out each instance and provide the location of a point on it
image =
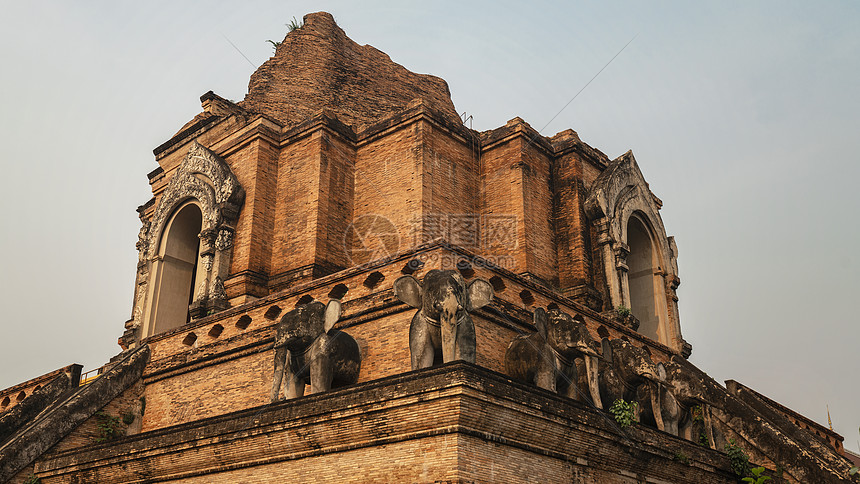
(310, 188)
(297, 201)
(88, 433)
(539, 237)
(457, 423)
(228, 357)
(388, 178)
(255, 167)
(501, 196)
(17, 393)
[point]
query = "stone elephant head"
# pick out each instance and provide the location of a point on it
(309, 351)
(530, 358)
(442, 323)
(576, 356)
(683, 401)
(624, 368)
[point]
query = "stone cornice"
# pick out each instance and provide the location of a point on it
(414, 112)
(513, 129)
(185, 135)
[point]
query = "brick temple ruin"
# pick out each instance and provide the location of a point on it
(339, 281)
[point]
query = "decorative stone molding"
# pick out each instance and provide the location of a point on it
(206, 180)
(618, 194)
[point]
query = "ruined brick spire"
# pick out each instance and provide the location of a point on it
(318, 67)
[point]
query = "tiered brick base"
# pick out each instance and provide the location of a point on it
(457, 422)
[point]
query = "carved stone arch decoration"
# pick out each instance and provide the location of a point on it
(618, 200)
(205, 180)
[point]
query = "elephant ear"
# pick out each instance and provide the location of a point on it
(408, 290)
(332, 314)
(480, 294)
(540, 321)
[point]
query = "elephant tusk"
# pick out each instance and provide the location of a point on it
(591, 370)
(656, 408)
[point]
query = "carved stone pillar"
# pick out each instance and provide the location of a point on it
(141, 278)
(622, 250)
(221, 268)
(200, 305)
(605, 242)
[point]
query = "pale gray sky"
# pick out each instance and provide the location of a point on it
(742, 115)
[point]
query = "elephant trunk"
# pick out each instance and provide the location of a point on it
(449, 308)
(656, 407)
(709, 425)
(297, 344)
(593, 387)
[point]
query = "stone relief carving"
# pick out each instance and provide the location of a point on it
(224, 240)
(142, 244)
(206, 179)
(530, 358)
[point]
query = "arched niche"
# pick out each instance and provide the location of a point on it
(638, 259)
(185, 246)
(646, 290)
(176, 269)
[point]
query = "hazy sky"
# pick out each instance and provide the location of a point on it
(743, 117)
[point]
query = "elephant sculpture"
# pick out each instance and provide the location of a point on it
(624, 368)
(309, 351)
(442, 323)
(576, 357)
(530, 358)
(559, 357)
(679, 390)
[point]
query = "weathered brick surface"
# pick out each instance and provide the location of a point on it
(388, 183)
(415, 173)
(318, 66)
(455, 423)
(539, 240)
(66, 413)
(12, 396)
(88, 432)
(232, 365)
(22, 476)
(501, 196)
(350, 165)
(297, 204)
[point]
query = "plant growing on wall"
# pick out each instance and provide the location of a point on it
(739, 459)
(756, 478)
(109, 427)
(698, 418)
(623, 311)
(624, 412)
(293, 25)
(32, 479)
(681, 457)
